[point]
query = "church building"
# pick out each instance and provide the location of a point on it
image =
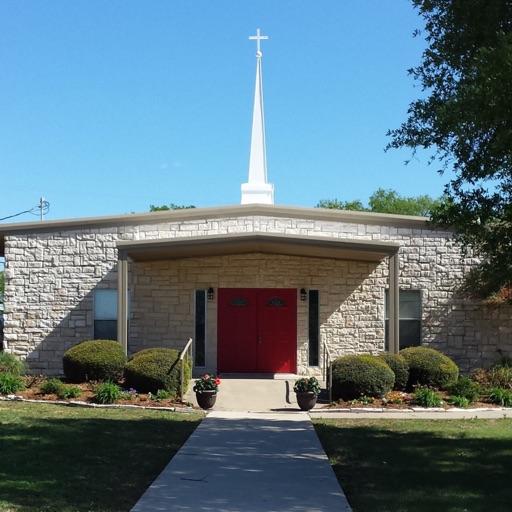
(260, 288)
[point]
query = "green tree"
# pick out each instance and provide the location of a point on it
(465, 118)
(334, 204)
(172, 206)
(387, 201)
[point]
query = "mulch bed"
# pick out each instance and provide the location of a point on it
(31, 392)
(397, 400)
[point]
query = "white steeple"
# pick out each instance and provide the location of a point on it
(257, 189)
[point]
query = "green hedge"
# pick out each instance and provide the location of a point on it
(158, 368)
(399, 367)
(94, 360)
(360, 375)
(429, 367)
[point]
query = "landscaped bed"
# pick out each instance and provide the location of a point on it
(87, 395)
(400, 400)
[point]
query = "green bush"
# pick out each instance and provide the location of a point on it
(51, 387)
(10, 383)
(9, 363)
(57, 387)
(107, 392)
(426, 397)
(459, 401)
(150, 350)
(155, 369)
(429, 367)
(399, 367)
(162, 394)
(94, 360)
(500, 376)
(496, 376)
(70, 392)
(465, 387)
(361, 375)
(500, 396)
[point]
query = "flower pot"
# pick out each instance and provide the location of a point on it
(306, 399)
(206, 399)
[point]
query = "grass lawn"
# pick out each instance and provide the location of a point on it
(73, 459)
(421, 465)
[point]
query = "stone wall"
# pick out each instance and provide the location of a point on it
(51, 277)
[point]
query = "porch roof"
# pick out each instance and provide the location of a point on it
(266, 243)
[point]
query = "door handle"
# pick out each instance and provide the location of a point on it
(259, 340)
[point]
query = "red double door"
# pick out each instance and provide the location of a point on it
(257, 330)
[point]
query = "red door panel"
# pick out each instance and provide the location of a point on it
(257, 330)
(277, 331)
(237, 331)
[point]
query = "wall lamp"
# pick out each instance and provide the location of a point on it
(303, 294)
(210, 294)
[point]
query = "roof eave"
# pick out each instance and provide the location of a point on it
(319, 214)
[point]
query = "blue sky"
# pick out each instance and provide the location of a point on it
(109, 106)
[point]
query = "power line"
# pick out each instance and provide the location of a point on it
(40, 209)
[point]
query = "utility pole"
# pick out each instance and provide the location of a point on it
(41, 206)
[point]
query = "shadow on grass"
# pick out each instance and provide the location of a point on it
(422, 466)
(70, 459)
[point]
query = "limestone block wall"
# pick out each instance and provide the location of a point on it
(51, 277)
(351, 308)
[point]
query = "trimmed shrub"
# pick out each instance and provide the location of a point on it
(429, 367)
(94, 360)
(361, 375)
(9, 363)
(150, 350)
(466, 388)
(399, 367)
(155, 369)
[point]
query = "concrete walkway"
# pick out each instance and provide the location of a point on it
(256, 452)
(248, 462)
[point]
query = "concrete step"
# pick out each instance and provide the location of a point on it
(254, 394)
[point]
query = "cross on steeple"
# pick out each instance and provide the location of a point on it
(258, 38)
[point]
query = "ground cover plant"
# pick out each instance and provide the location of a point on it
(421, 465)
(73, 459)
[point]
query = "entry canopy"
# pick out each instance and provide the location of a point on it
(266, 243)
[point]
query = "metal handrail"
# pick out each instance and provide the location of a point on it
(185, 353)
(327, 368)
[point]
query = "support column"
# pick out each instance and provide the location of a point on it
(122, 300)
(394, 304)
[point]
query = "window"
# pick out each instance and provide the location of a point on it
(313, 328)
(200, 328)
(410, 318)
(105, 315)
